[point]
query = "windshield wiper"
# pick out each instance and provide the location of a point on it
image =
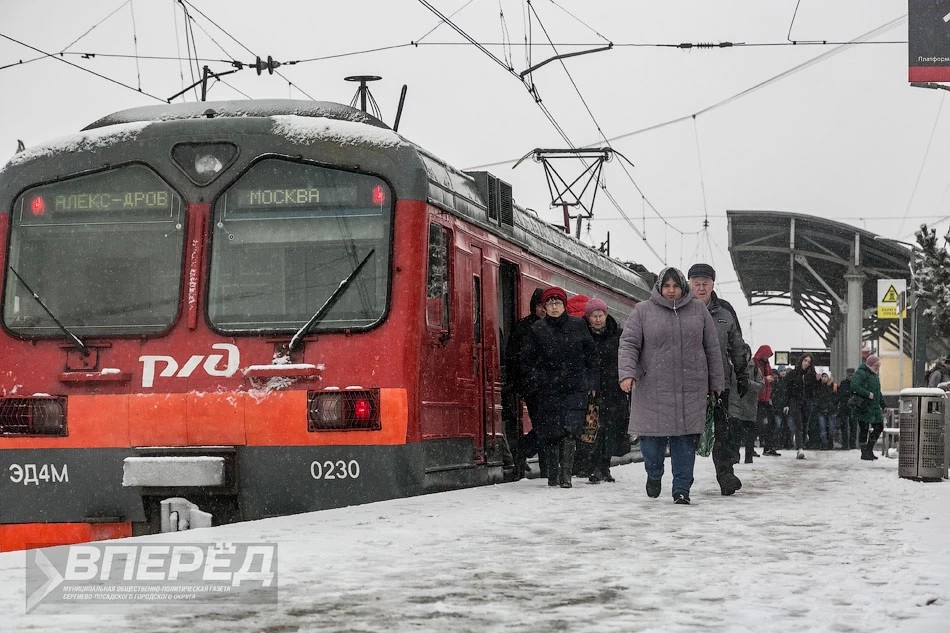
(72, 337)
(295, 341)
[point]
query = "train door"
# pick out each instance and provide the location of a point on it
(481, 373)
(507, 309)
(507, 315)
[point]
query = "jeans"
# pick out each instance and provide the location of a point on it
(682, 456)
(826, 429)
(797, 421)
(849, 429)
(780, 432)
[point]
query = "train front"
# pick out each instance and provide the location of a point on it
(199, 320)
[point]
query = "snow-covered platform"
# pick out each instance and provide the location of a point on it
(831, 543)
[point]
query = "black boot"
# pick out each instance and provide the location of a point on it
(866, 454)
(729, 484)
(567, 450)
(551, 464)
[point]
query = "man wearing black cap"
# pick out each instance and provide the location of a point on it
(702, 278)
(513, 387)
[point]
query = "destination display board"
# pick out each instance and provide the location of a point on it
(127, 193)
(279, 188)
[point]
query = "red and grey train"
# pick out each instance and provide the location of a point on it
(263, 307)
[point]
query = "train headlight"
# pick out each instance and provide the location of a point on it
(33, 415)
(356, 410)
(202, 162)
(207, 165)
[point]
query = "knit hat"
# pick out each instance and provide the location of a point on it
(594, 304)
(554, 293)
(872, 360)
(701, 270)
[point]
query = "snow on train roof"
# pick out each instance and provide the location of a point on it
(295, 120)
(237, 109)
(303, 129)
(82, 141)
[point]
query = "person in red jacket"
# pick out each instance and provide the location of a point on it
(766, 413)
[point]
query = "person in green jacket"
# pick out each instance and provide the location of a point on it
(868, 404)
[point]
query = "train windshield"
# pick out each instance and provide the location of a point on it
(286, 235)
(102, 253)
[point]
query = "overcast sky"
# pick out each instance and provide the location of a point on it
(842, 137)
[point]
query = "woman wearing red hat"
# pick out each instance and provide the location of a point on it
(558, 358)
(868, 404)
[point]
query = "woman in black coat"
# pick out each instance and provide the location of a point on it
(558, 363)
(801, 390)
(613, 404)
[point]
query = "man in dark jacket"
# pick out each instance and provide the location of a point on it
(702, 278)
(558, 359)
(940, 373)
(847, 422)
(513, 386)
(782, 439)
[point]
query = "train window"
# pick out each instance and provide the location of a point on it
(286, 235)
(103, 252)
(437, 284)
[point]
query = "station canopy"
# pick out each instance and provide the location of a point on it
(800, 261)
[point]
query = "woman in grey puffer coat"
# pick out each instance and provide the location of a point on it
(669, 360)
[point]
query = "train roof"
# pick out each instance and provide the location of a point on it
(246, 108)
(345, 130)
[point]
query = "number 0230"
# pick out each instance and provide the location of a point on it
(338, 469)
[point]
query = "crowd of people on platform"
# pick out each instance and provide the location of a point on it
(589, 385)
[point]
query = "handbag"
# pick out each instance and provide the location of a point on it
(591, 422)
(708, 437)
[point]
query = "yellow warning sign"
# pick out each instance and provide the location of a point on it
(889, 303)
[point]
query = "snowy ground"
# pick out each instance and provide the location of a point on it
(826, 544)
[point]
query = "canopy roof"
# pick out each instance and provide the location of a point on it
(797, 260)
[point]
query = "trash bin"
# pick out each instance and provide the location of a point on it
(921, 449)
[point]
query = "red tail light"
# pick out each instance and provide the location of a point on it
(379, 195)
(38, 206)
(362, 409)
(343, 410)
(36, 415)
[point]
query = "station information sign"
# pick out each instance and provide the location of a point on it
(928, 41)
